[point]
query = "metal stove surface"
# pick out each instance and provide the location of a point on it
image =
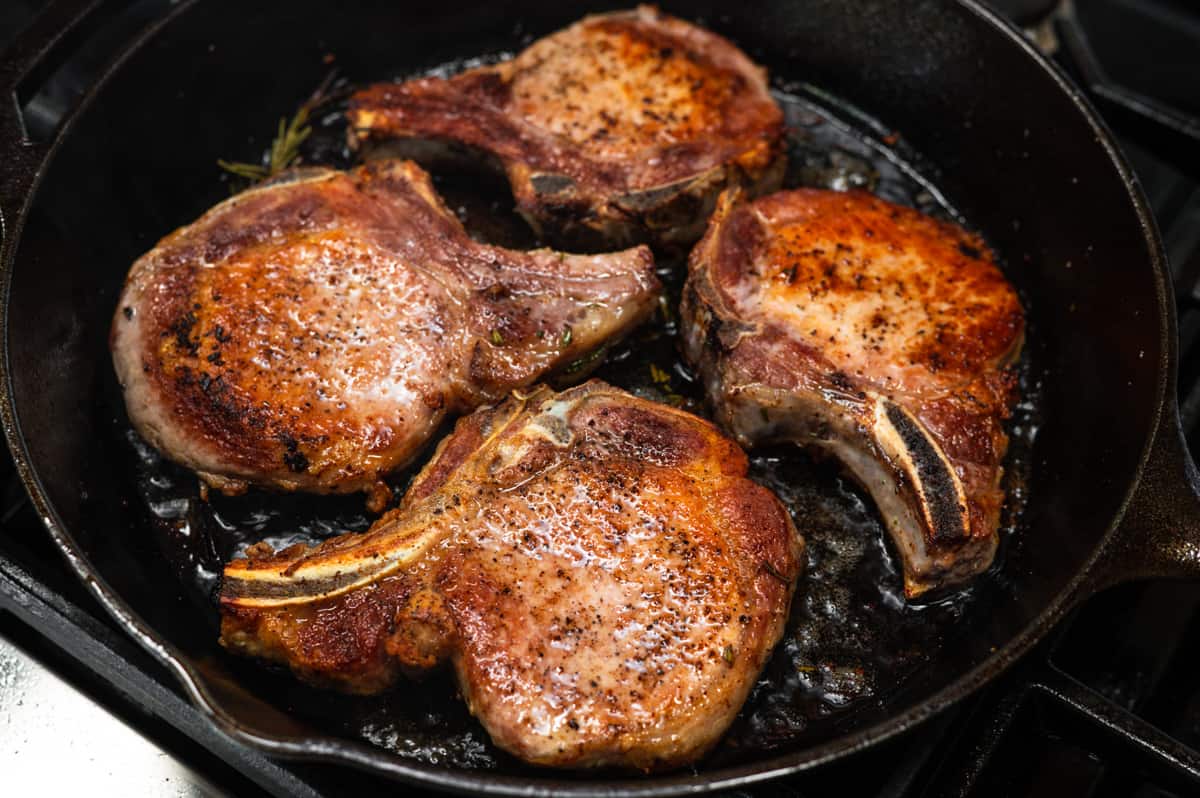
(1109, 706)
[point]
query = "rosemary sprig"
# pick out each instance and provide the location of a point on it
(289, 135)
(285, 149)
(247, 171)
(575, 366)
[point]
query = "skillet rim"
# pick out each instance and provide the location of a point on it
(330, 749)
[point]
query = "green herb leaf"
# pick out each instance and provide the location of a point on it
(585, 361)
(664, 307)
(660, 376)
(285, 149)
(567, 334)
(727, 654)
(248, 171)
(497, 338)
(289, 135)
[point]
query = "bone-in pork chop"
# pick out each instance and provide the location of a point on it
(601, 574)
(877, 334)
(311, 334)
(622, 128)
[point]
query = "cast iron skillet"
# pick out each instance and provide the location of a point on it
(1114, 496)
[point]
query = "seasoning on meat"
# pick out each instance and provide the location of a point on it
(878, 334)
(590, 563)
(622, 128)
(312, 333)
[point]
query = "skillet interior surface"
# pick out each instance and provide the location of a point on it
(979, 119)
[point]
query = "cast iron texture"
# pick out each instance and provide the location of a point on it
(1017, 149)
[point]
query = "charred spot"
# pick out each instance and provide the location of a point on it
(221, 334)
(841, 380)
(213, 387)
(128, 311)
(937, 486)
(550, 183)
(563, 209)
(215, 358)
(650, 199)
(182, 328)
(293, 458)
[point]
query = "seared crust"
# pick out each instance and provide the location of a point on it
(882, 335)
(312, 333)
(603, 577)
(621, 128)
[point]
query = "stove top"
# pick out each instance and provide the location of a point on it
(1109, 705)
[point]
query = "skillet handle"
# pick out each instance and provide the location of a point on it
(32, 56)
(1159, 535)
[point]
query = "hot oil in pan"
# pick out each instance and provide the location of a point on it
(852, 638)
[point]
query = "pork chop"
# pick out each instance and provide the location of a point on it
(878, 334)
(311, 334)
(605, 580)
(622, 128)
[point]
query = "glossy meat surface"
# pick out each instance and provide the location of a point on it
(623, 127)
(599, 571)
(311, 334)
(881, 335)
